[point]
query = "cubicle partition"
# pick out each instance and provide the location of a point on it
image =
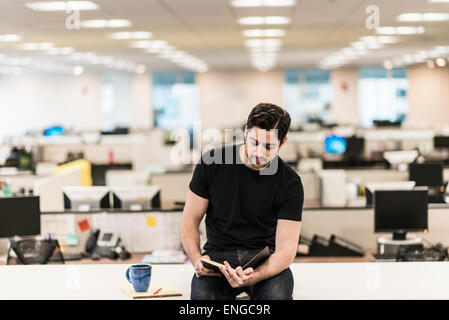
(140, 231)
(357, 225)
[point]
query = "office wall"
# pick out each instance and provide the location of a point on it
(31, 102)
(345, 104)
(226, 98)
(428, 96)
(141, 109)
(35, 101)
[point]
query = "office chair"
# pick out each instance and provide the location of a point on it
(34, 251)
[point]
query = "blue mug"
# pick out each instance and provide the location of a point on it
(139, 275)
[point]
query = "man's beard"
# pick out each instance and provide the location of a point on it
(258, 162)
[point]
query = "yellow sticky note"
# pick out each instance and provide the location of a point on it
(151, 221)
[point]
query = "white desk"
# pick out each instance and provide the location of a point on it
(383, 280)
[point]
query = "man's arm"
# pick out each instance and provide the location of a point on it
(287, 236)
(193, 213)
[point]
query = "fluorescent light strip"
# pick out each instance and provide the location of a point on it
(422, 17)
(264, 33)
(101, 23)
(402, 30)
(62, 5)
(125, 35)
(10, 38)
(263, 3)
(31, 46)
(60, 51)
(269, 20)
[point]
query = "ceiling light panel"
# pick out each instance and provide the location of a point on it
(262, 3)
(422, 17)
(10, 38)
(62, 5)
(269, 20)
(101, 23)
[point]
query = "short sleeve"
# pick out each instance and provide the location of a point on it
(199, 184)
(293, 201)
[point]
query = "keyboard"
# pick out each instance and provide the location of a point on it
(68, 257)
(384, 257)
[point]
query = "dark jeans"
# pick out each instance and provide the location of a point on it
(279, 287)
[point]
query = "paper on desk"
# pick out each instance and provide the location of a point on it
(59, 226)
(165, 291)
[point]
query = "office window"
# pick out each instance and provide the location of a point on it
(307, 93)
(175, 100)
(382, 95)
(115, 98)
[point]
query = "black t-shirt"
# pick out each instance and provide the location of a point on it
(245, 204)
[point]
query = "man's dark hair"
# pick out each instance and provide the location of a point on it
(269, 116)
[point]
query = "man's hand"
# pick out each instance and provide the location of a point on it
(238, 277)
(201, 270)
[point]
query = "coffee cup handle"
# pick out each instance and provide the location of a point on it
(127, 275)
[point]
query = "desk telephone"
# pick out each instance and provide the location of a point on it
(105, 244)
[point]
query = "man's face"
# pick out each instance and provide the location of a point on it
(261, 146)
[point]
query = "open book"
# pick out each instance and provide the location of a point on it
(253, 263)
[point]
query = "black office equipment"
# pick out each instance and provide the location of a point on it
(426, 174)
(384, 257)
(387, 123)
(416, 253)
(355, 147)
(34, 251)
(105, 244)
(333, 247)
(431, 175)
(400, 211)
(86, 198)
(341, 247)
(136, 198)
(319, 247)
(67, 256)
(371, 187)
(441, 142)
(19, 216)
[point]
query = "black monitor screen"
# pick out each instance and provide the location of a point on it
(426, 174)
(400, 210)
(441, 142)
(355, 145)
(19, 216)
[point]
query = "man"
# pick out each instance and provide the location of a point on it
(255, 201)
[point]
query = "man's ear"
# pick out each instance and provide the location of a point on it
(282, 143)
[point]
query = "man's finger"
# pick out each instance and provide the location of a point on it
(240, 273)
(232, 273)
(224, 271)
(248, 271)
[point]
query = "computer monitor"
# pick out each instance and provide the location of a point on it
(86, 198)
(335, 144)
(355, 146)
(371, 187)
(136, 198)
(19, 216)
(441, 142)
(426, 174)
(400, 211)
